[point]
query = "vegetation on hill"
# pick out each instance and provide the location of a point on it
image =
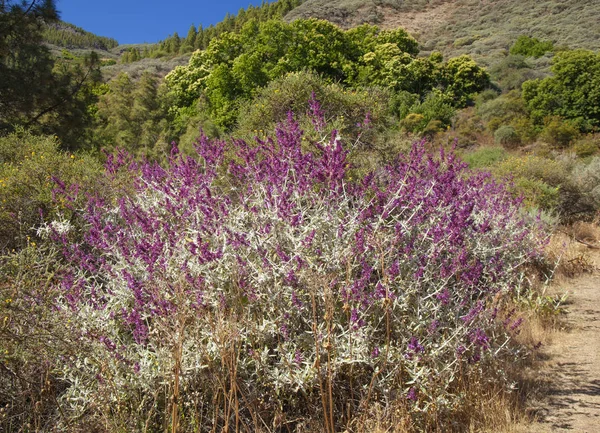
(198, 38)
(235, 65)
(70, 36)
(483, 29)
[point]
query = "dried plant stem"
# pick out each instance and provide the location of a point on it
(318, 363)
(329, 310)
(177, 373)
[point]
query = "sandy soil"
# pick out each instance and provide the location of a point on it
(571, 401)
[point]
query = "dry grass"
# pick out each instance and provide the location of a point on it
(487, 406)
(567, 254)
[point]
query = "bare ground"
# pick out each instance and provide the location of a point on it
(571, 372)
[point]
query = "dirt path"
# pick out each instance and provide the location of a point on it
(572, 369)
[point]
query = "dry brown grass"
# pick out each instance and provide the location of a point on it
(488, 405)
(567, 255)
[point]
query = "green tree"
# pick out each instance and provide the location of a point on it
(37, 92)
(572, 92)
(235, 65)
(131, 116)
(462, 78)
(190, 40)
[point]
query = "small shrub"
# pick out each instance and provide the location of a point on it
(559, 132)
(537, 193)
(587, 146)
(35, 338)
(485, 157)
(531, 47)
(485, 96)
(464, 41)
(432, 128)
(539, 180)
(502, 110)
(507, 135)
(414, 122)
(346, 107)
(467, 129)
(435, 107)
(29, 165)
(587, 177)
(525, 128)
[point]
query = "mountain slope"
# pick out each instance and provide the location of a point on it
(482, 28)
(67, 35)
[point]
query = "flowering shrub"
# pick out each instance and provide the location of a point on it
(283, 286)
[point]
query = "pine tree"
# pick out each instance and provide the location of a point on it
(199, 42)
(190, 40)
(34, 91)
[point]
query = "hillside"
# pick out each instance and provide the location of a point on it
(69, 36)
(482, 28)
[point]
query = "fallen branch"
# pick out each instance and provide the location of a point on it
(594, 247)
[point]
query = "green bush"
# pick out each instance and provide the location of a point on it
(485, 96)
(572, 92)
(435, 108)
(432, 128)
(346, 108)
(485, 157)
(531, 47)
(588, 180)
(502, 110)
(414, 122)
(586, 146)
(554, 185)
(28, 166)
(541, 181)
(537, 193)
(559, 132)
(507, 135)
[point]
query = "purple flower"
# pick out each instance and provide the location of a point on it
(412, 394)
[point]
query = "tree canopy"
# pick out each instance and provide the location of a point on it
(572, 92)
(235, 65)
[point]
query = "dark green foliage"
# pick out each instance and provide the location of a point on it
(70, 36)
(432, 115)
(35, 91)
(130, 116)
(530, 47)
(573, 92)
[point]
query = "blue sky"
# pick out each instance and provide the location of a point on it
(146, 21)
